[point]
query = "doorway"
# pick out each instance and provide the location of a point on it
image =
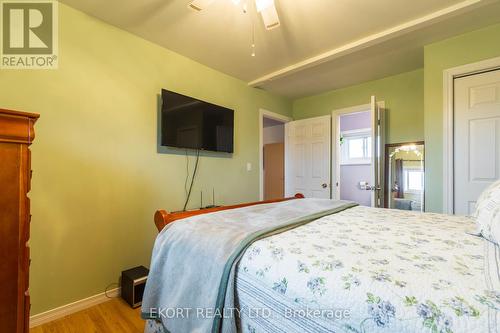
(355, 157)
(272, 155)
(358, 138)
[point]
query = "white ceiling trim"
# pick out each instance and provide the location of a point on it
(374, 39)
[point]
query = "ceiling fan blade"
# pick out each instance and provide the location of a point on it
(270, 18)
(199, 5)
(267, 10)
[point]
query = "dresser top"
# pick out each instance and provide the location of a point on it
(19, 113)
(17, 127)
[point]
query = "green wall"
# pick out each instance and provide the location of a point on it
(404, 100)
(464, 49)
(98, 178)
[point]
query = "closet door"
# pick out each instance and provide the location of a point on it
(477, 138)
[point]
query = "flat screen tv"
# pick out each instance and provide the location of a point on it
(189, 123)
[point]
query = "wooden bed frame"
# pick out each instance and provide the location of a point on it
(162, 217)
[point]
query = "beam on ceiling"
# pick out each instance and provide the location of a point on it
(374, 39)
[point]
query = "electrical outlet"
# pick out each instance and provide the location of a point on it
(249, 166)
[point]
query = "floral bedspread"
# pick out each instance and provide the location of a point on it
(371, 270)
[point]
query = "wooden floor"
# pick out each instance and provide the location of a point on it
(109, 317)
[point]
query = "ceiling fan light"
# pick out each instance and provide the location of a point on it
(263, 4)
(199, 5)
(270, 18)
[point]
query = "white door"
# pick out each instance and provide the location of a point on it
(476, 137)
(308, 157)
(378, 149)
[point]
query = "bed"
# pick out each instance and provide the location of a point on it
(348, 269)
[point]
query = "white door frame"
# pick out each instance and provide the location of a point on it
(336, 114)
(449, 75)
(272, 115)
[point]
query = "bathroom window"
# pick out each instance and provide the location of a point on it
(356, 147)
(414, 180)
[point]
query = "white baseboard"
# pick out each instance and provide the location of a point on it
(68, 309)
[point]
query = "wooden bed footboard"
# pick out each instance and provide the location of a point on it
(162, 217)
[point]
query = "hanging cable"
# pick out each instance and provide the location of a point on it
(187, 174)
(253, 39)
(192, 179)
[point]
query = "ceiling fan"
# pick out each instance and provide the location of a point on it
(266, 8)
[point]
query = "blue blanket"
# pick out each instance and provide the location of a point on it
(190, 287)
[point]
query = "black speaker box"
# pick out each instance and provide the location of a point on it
(133, 283)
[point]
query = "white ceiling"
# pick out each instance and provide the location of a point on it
(320, 45)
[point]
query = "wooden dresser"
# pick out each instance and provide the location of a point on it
(16, 135)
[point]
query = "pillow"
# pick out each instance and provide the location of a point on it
(487, 213)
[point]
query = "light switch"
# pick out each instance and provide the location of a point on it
(249, 166)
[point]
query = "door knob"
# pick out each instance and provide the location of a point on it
(324, 185)
(373, 188)
(367, 187)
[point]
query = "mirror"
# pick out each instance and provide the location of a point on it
(405, 170)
